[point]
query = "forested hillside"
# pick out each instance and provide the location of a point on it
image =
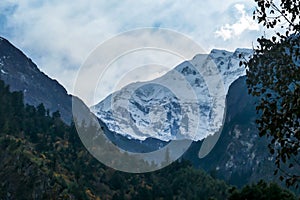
(43, 158)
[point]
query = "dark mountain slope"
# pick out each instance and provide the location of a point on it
(21, 74)
(240, 156)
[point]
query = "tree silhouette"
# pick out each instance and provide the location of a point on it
(273, 76)
(261, 191)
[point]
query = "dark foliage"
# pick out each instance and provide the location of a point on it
(43, 158)
(273, 76)
(261, 191)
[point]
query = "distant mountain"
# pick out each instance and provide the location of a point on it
(153, 109)
(21, 74)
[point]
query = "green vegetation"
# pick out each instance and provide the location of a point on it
(43, 158)
(261, 191)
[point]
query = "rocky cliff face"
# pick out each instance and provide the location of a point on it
(240, 155)
(21, 74)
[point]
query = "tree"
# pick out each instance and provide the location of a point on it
(273, 75)
(41, 111)
(261, 191)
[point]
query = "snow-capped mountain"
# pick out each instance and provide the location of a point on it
(188, 102)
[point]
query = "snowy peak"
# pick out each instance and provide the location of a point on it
(188, 102)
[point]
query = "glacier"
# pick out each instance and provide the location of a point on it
(188, 102)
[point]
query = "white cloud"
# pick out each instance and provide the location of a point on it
(244, 23)
(59, 35)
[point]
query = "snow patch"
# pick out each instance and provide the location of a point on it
(3, 72)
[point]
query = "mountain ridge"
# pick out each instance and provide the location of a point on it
(18, 71)
(198, 88)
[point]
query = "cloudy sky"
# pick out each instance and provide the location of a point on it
(60, 34)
